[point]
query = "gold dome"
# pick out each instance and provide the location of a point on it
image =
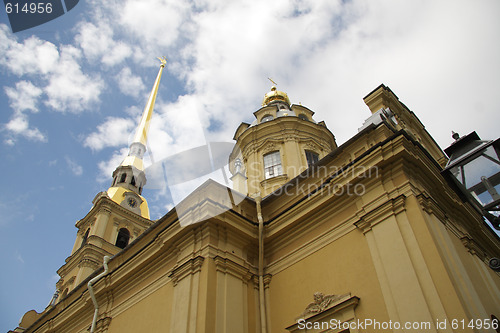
(275, 95)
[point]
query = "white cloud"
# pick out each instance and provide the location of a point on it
(129, 84)
(29, 57)
(97, 42)
(18, 125)
(69, 89)
(106, 168)
(74, 167)
(24, 97)
(113, 132)
(63, 86)
(154, 21)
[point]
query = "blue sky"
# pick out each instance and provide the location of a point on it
(72, 90)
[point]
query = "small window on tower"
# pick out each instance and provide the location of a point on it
(122, 238)
(132, 182)
(122, 179)
(272, 164)
(312, 158)
(84, 240)
(266, 118)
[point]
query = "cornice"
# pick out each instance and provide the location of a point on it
(227, 266)
(190, 267)
(103, 204)
(381, 213)
(85, 253)
(473, 247)
(278, 130)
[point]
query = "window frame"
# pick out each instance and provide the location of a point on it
(124, 232)
(272, 164)
(314, 157)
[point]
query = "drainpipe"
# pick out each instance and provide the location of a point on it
(91, 292)
(262, 301)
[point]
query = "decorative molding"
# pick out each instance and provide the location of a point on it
(267, 281)
(190, 267)
(322, 302)
(104, 210)
(90, 263)
(473, 247)
(328, 309)
(274, 180)
(381, 213)
(227, 266)
(102, 325)
(312, 147)
(269, 147)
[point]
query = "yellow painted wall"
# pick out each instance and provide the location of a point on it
(152, 314)
(341, 267)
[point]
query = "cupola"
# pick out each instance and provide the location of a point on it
(282, 141)
(275, 95)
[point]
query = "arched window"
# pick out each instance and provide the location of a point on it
(272, 165)
(84, 240)
(311, 157)
(266, 118)
(122, 238)
(132, 182)
(124, 176)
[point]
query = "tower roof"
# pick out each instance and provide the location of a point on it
(275, 95)
(129, 177)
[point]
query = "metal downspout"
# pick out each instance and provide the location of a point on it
(262, 301)
(91, 292)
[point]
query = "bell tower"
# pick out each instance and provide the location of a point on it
(283, 141)
(119, 215)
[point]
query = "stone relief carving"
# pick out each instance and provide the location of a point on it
(312, 147)
(322, 302)
(269, 148)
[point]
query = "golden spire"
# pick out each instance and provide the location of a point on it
(129, 177)
(141, 135)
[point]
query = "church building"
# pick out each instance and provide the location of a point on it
(367, 236)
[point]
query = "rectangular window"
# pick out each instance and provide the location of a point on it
(312, 158)
(272, 164)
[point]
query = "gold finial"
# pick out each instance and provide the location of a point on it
(272, 81)
(163, 61)
(274, 94)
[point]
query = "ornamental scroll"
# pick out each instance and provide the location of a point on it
(323, 302)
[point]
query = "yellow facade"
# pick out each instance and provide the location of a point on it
(369, 233)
